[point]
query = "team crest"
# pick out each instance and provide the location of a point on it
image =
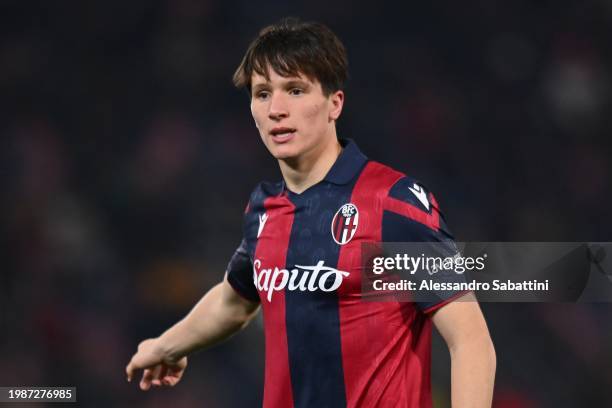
(344, 224)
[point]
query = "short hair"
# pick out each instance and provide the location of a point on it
(291, 47)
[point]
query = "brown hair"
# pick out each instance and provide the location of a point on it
(291, 47)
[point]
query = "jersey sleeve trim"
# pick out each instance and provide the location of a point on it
(241, 290)
(414, 213)
(437, 306)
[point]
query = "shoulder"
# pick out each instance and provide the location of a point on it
(405, 198)
(409, 190)
(389, 183)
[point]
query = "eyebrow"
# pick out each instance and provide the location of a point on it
(260, 86)
(297, 83)
(291, 83)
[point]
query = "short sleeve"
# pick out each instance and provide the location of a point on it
(412, 215)
(240, 273)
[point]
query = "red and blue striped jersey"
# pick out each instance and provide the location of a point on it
(301, 257)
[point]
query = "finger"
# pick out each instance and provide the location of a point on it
(170, 381)
(156, 377)
(163, 372)
(129, 371)
(173, 376)
(145, 382)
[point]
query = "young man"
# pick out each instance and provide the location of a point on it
(300, 256)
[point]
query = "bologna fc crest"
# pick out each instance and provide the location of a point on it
(344, 224)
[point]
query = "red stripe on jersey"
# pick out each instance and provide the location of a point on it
(385, 345)
(339, 226)
(274, 242)
(414, 213)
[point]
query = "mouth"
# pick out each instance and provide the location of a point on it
(282, 134)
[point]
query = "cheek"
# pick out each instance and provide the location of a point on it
(256, 116)
(314, 111)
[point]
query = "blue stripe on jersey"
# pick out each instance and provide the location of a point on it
(314, 343)
(239, 273)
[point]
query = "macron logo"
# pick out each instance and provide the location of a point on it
(420, 194)
(262, 222)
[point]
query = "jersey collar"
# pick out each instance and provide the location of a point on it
(348, 164)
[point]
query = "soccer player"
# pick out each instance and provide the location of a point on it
(299, 259)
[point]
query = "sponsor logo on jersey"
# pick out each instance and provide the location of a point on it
(344, 224)
(302, 278)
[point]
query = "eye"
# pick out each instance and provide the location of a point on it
(262, 95)
(296, 91)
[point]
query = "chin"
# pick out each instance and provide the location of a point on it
(284, 152)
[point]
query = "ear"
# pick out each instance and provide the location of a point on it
(337, 101)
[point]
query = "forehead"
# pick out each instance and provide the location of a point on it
(274, 77)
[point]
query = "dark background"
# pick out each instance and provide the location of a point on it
(127, 157)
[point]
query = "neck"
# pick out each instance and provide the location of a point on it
(311, 167)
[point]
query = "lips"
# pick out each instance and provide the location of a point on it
(281, 130)
(282, 134)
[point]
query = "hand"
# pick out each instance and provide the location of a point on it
(158, 369)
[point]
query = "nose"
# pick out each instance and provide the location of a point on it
(278, 107)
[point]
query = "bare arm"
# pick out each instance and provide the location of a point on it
(473, 360)
(219, 314)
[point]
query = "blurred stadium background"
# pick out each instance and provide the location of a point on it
(126, 159)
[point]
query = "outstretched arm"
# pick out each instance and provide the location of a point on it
(473, 360)
(218, 315)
